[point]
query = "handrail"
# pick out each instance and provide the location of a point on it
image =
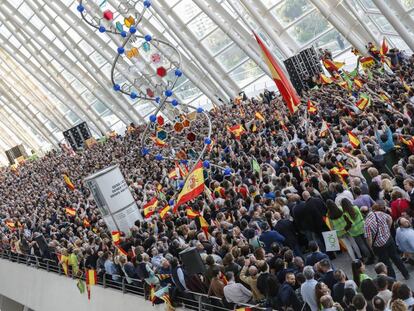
(200, 301)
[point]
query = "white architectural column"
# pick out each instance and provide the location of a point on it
(395, 22)
(403, 15)
(338, 16)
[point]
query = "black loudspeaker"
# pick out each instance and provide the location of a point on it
(302, 67)
(41, 242)
(192, 262)
(77, 135)
(16, 152)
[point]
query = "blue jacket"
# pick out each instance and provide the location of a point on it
(389, 143)
(287, 297)
(268, 237)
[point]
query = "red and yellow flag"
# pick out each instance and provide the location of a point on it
(86, 223)
(91, 277)
(116, 237)
(194, 186)
(259, 116)
(298, 162)
(324, 79)
(191, 214)
(332, 65)
(163, 212)
(237, 130)
(10, 224)
(64, 262)
(173, 174)
(353, 140)
(71, 212)
(158, 142)
(150, 207)
(367, 62)
(358, 83)
(363, 102)
(282, 82)
(68, 182)
(384, 47)
(311, 107)
(324, 129)
(204, 225)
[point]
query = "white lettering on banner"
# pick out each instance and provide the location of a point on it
(331, 241)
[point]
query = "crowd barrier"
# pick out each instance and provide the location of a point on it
(192, 300)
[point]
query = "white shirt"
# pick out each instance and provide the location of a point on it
(346, 194)
(307, 290)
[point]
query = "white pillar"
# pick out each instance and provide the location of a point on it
(395, 22)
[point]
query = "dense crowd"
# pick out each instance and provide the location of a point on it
(264, 243)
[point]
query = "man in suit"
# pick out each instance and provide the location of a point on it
(325, 269)
(315, 256)
(287, 295)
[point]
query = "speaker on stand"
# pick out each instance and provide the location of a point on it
(77, 135)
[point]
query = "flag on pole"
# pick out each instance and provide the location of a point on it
(363, 102)
(150, 207)
(163, 212)
(237, 130)
(116, 237)
(64, 262)
(384, 47)
(68, 182)
(324, 79)
(81, 286)
(86, 223)
(204, 225)
(367, 62)
(194, 186)
(358, 82)
(91, 279)
(311, 107)
(10, 224)
(353, 140)
(173, 174)
(332, 65)
(191, 214)
(324, 129)
(282, 82)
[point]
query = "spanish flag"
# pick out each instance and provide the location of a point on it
(363, 102)
(204, 225)
(341, 172)
(358, 82)
(71, 212)
(409, 143)
(182, 169)
(173, 174)
(259, 116)
(237, 130)
(324, 129)
(367, 62)
(384, 97)
(150, 207)
(384, 47)
(91, 279)
(68, 182)
(10, 224)
(163, 212)
(86, 223)
(194, 186)
(191, 214)
(116, 237)
(244, 309)
(353, 140)
(324, 79)
(332, 65)
(298, 162)
(282, 82)
(311, 107)
(63, 261)
(152, 296)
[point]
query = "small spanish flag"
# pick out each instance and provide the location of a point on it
(191, 214)
(86, 223)
(367, 62)
(325, 80)
(363, 102)
(63, 261)
(384, 47)
(259, 116)
(68, 182)
(116, 237)
(204, 225)
(91, 279)
(10, 224)
(298, 162)
(324, 129)
(150, 207)
(332, 65)
(71, 212)
(358, 83)
(237, 130)
(353, 140)
(173, 174)
(311, 107)
(163, 212)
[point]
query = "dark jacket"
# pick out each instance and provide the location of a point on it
(288, 298)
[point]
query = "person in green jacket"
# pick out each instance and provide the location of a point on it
(340, 224)
(358, 272)
(354, 217)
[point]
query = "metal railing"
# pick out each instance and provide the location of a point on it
(191, 300)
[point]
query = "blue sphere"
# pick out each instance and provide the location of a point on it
(144, 151)
(147, 3)
(157, 100)
(181, 184)
(159, 157)
(206, 164)
(168, 93)
(153, 118)
(123, 33)
(174, 102)
(178, 73)
(80, 8)
(171, 202)
(132, 29)
(102, 29)
(148, 38)
(207, 141)
(121, 50)
(200, 110)
(133, 95)
(227, 171)
(117, 87)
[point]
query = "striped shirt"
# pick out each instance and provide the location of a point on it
(377, 229)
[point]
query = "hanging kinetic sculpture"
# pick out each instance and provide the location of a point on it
(148, 69)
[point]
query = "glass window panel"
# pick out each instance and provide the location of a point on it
(216, 41)
(99, 107)
(186, 10)
(309, 27)
(382, 23)
(332, 41)
(201, 25)
(231, 57)
(72, 117)
(246, 73)
(289, 11)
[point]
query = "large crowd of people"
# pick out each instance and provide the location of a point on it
(264, 244)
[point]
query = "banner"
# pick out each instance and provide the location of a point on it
(114, 199)
(331, 241)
